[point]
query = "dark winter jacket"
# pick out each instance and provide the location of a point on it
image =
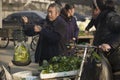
(52, 40)
(28, 28)
(108, 31)
(91, 24)
(71, 28)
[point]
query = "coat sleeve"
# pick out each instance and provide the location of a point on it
(50, 36)
(90, 24)
(76, 30)
(114, 27)
(28, 29)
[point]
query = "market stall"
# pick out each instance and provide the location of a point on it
(60, 67)
(85, 37)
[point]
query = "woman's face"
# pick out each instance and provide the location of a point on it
(70, 12)
(96, 12)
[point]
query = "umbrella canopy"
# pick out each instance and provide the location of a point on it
(83, 2)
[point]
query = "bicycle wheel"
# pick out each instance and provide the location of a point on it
(34, 41)
(4, 41)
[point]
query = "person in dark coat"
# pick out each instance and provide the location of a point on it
(98, 6)
(67, 13)
(52, 40)
(107, 36)
(72, 30)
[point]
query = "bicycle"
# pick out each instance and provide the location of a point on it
(4, 38)
(19, 34)
(16, 35)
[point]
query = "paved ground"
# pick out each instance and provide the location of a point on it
(6, 56)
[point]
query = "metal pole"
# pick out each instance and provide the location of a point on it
(82, 64)
(95, 3)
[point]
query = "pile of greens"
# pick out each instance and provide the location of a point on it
(60, 64)
(82, 33)
(21, 53)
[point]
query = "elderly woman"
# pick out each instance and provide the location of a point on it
(52, 41)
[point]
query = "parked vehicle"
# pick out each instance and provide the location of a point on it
(13, 23)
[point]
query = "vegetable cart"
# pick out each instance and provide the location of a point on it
(70, 74)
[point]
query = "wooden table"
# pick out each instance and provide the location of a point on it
(86, 38)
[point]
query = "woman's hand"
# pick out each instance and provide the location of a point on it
(25, 19)
(105, 47)
(86, 32)
(96, 12)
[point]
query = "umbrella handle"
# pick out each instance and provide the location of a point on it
(95, 3)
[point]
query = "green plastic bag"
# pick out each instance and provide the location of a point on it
(21, 55)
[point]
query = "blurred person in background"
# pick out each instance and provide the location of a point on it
(67, 13)
(72, 30)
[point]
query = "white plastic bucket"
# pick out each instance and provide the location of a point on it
(21, 75)
(31, 78)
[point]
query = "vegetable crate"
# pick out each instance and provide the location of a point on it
(59, 74)
(60, 67)
(75, 65)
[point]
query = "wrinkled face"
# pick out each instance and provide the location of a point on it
(52, 13)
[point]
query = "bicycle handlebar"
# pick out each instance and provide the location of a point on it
(82, 46)
(85, 46)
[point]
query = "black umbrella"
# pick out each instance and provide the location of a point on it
(82, 2)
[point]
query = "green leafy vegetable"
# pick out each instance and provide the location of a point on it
(60, 64)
